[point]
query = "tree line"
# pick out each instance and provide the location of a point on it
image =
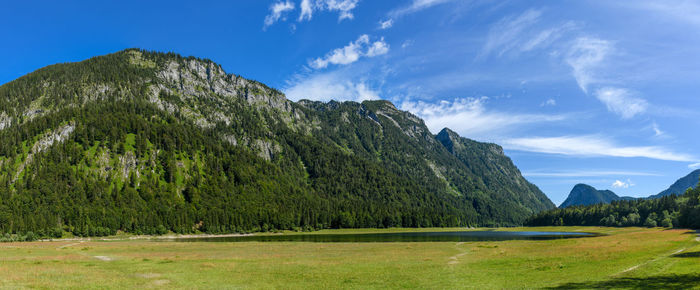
(343, 173)
(668, 211)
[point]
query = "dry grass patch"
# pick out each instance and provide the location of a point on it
(505, 264)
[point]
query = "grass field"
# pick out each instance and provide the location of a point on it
(626, 257)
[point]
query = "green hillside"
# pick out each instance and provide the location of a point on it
(681, 185)
(147, 142)
(583, 194)
(681, 211)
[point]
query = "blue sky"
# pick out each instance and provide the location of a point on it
(598, 92)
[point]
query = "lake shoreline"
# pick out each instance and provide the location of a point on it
(293, 233)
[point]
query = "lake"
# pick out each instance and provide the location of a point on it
(462, 236)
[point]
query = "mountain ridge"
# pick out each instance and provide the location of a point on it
(588, 197)
(148, 142)
(681, 185)
(584, 194)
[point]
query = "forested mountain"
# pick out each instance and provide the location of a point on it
(148, 142)
(583, 194)
(681, 185)
(666, 211)
(493, 169)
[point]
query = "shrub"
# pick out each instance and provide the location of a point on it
(30, 236)
(667, 223)
(161, 230)
(56, 233)
(650, 223)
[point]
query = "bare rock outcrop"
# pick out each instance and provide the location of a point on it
(5, 121)
(56, 136)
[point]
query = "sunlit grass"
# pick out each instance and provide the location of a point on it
(584, 262)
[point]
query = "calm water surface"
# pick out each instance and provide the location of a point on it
(464, 236)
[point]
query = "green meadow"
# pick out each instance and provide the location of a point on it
(622, 258)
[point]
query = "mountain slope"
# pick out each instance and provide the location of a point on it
(681, 185)
(583, 194)
(149, 142)
(494, 170)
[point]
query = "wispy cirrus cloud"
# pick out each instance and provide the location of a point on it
(587, 173)
(620, 101)
(343, 7)
(278, 11)
(522, 33)
(678, 10)
(415, 6)
(503, 35)
(547, 37)
(362, 47)
(586, 56)
(592, 146)
(470, 117)
(657, 130)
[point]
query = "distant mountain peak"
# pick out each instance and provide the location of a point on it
(447, 138)
(448, 132)
(584, 194)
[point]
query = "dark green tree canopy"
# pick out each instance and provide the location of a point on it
(148, 142)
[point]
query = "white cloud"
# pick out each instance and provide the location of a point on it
(621, 102)
(622, 184)
(378, 48)
(592, 173)
(335, 85)
(386, 24)
(502, 36)
(585, 56)
(588, 58)
(343, 7)
(549, 102)
(679, 10)
(545, 37)
(469, 117)
(415, 6)
(306, 10)
(352, 52)
(592, 146)
(657, 131)
(520, 33)
(278, 11)
(694, 166)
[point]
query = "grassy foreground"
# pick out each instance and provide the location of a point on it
(627, 257)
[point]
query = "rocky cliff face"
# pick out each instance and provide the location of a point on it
(183, 132)
(5, 120)
(57, 136)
